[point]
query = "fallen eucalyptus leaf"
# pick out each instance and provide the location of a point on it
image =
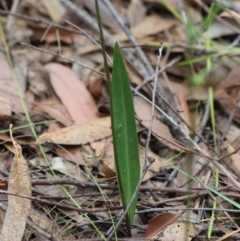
(80, 133)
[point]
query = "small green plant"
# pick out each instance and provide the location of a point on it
(124, 131)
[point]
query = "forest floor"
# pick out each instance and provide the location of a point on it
(62, 184)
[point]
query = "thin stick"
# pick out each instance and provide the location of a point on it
(153, 104)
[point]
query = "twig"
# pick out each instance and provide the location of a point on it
(196, 193)
(153, 104)
(193, 209)
(68, 181)
(61, 205)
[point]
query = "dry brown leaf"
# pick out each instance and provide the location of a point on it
(72, 92)
(8, 142)
(36, 5)
(7, 118)
(108, 172)
(57, 112)
(233, 133)
(18, 208)
(50, 35)
(5, 107)
(95, 86)
(79, 134)
(155, 166)
(55, 9)
(190, 93)
(68, 168)
(230, 235)
(231, 80)
(226, 92)
(9, 97)
(145, 28)
(18, 33)
(143, 111)
(185, 109)
(70, 153)
(158, 223)
(136, 79)
(230, 14)
(136, 12)
(235, 159)
(98, 146)
(180, 231)
(194, 3)
(194, 15)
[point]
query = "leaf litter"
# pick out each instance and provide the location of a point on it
(78, 142)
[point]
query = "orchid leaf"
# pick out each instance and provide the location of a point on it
(124, 131)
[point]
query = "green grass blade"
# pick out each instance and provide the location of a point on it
(124, 135)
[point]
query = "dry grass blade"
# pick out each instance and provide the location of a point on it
(18, 208)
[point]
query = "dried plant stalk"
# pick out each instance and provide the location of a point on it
(18, 208)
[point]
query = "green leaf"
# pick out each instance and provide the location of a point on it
(124, 131)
